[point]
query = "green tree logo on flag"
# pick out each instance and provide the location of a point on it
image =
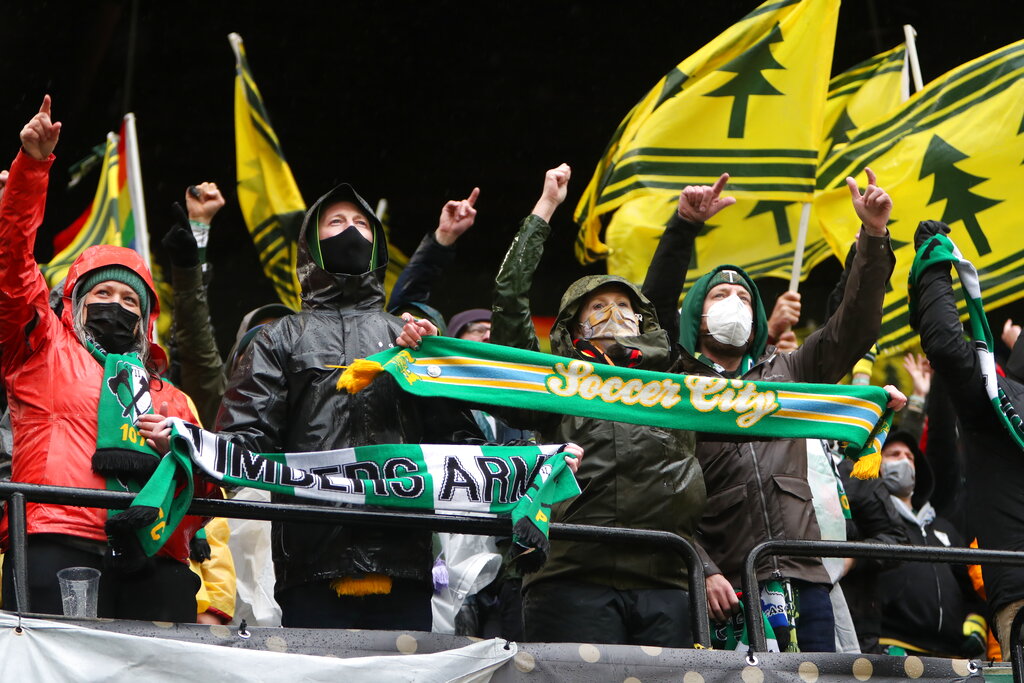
(954, 185)
(778, 212)
(838, 135)
(748, 80)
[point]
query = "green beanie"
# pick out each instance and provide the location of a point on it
(120, 274)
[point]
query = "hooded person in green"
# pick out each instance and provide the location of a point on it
(633, 476)
(759, 491)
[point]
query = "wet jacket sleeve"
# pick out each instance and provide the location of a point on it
(512, 320)
(419, 276)
(23, 290)
(255, 404)
(1015, 363)
(202, 373)
(952, 357)
(666, 275)
(831, 351)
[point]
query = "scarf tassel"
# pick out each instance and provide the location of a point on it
(358, 375)
(126, 553)
(867, 467)
(534, 546)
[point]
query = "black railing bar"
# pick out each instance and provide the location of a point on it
(800, 548)
(465, 524)
(17, 530)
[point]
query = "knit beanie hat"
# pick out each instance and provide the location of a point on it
(460, 321)
(121, 274)
(729, 277)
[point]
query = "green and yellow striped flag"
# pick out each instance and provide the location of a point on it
(952, 152)
(759, 234)
(108, 220)
(751, 102)
(269, 198)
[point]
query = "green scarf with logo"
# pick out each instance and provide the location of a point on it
(503, 376)
(127, 462)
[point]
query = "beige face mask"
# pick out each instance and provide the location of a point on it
(610, 322)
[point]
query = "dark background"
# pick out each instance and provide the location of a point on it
(416, 102)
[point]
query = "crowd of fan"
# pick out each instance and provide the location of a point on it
(950, 472)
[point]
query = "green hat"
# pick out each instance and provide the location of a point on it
(121, 274)
(728, 277)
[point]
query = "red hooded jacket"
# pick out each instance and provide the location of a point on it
(52, 381)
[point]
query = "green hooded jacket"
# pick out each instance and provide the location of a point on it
(631, 475)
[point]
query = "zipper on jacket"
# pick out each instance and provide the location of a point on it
(764, 505)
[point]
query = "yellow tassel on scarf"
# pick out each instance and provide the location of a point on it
(371, 584)
(868, 466)
(357, 375)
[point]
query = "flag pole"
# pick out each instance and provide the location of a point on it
(915, 67)
(798, 252)
(134, 175)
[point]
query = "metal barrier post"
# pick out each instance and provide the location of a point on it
(755, 627)
(19, 546)
(1016, 648)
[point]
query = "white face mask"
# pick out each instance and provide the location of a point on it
(729, 321)
(610, 322)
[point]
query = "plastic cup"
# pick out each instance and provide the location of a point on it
(79, 590)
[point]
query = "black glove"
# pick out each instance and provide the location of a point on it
(926, 229)
(179, 241)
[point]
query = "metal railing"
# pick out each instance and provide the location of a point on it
(18, 494)
(752, 611)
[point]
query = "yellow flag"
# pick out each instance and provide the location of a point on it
(750, 102)
(397, 259)
(759, 235)
(108, 220)
(864, 94)
(952, 152)
(269, 198)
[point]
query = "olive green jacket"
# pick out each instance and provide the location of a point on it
(631, 475)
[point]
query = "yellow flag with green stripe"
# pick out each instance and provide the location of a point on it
(108, 220)
(952, 152)
(750, 102)
(269, 198)
(759, 235)
(864, 94)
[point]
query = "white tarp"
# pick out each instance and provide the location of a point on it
(64, 653)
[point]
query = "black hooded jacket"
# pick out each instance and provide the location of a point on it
(924, 604)
(995, 464)
(282, 398)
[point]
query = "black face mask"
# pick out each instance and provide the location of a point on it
(347, 253)
(112, 326)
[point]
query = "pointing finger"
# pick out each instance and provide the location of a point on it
(719, 185)
(872, 180)
(852, 184)
(473, 195)
(45, 107)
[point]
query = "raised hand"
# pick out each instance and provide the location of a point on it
(920, 371)
(785, 314)
(456, 218)
(1010, 333)
(39, 136)
(556, 186)
(873, 207)
(204, 203)
(698, 203)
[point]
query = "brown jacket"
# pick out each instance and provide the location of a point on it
(758, 491)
